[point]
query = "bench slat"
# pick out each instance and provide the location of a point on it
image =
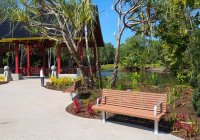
(150, 107)
(129, 111)
(138, 104)
(132, 94)
(129, 99)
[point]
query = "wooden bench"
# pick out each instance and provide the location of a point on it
(73, 89)
(145, 105)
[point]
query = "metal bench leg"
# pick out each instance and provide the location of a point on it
(156, 127)
(103, 116)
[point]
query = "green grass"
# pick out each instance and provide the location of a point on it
(107, 67)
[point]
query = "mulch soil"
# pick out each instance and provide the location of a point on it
(182, 105)
(52, 87)
(3, 82)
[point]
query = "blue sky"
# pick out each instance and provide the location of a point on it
(108, 20)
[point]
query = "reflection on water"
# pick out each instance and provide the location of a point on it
(163, 78)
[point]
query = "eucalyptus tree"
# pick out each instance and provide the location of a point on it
(60, 20)
(136, 15)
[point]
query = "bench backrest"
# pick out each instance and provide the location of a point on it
(137, 100)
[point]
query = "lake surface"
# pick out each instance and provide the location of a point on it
(163, 78)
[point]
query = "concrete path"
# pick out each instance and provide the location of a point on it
(30, 112)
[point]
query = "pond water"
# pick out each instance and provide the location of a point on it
(163, 78)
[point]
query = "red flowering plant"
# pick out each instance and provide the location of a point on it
(190, 127)
(76, 105)
(178, 123)
(89, 108)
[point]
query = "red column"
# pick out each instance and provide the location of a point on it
(44, 59)
(95, 59)
(58, 59)
(17, 58)
(28, 60)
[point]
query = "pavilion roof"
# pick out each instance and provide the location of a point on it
(16, 32)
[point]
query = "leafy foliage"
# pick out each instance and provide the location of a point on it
(196, 101)
(107, 54)
(153, 79)
(65, 22)
(178, 20)
(137, 52)
(2, 78)
(135, 79)
(173, 96)
(60, 82)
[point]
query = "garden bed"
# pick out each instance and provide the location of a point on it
(49, 85)
(182, 105)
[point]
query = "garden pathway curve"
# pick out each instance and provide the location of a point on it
(30, 112)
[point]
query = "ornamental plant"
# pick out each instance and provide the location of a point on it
(135, 80)
(178, 121)
(59, 82)
(189, 125)
(153, 77)
(76, 106)
(89, 108)
(2, 78)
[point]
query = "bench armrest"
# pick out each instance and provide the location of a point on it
(159, 104)
(99, 99)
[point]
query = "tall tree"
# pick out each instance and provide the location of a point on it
(136, 15)
(177, 22)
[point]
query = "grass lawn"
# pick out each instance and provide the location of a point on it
(109, 67)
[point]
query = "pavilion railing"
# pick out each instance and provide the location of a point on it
(64, 70)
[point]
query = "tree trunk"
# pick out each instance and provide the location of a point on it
(116, 63)
(117, 55)
(98, 65)
(91, 83)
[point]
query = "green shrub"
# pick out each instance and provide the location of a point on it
(196, 101)
(2, 78)
(106, 82)
(135, 80)
(193, 82)
(60, 82)
(181, 78)
(153, 79)
(172, 96)
(121, 83)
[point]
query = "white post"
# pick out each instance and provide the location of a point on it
(155, 127)
(103, 116)
(71, 96)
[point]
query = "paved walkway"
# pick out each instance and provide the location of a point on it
(30, 112)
